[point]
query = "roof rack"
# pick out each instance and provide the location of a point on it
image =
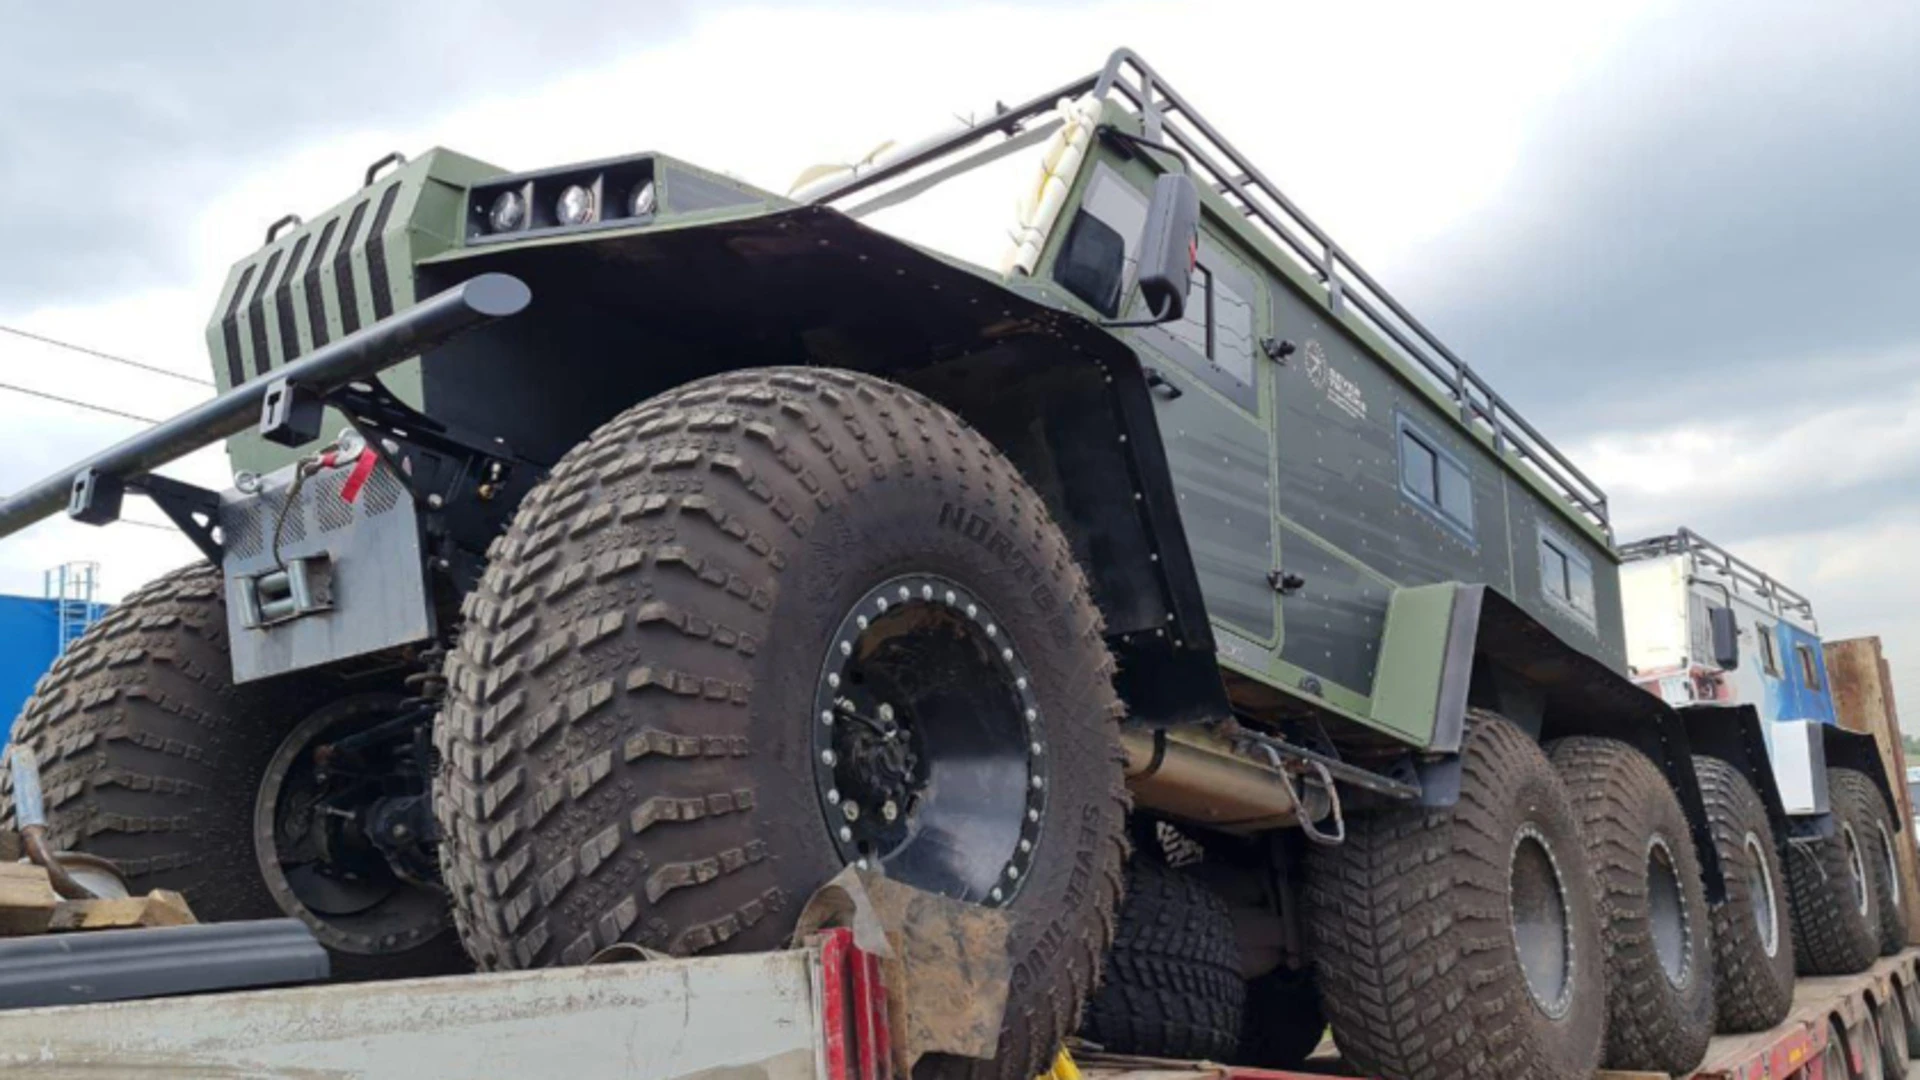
(1704, 552)
(1169, 119)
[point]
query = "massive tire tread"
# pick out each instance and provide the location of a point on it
(152, 757)
(1831, 935)
(1753, 988)
(1655, 1022)
(626, 757)
(1172, 986)
(1412, 936)
(1885, 871)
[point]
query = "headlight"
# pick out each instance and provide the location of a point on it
(575, 206)
(509, 212)
(640, 203)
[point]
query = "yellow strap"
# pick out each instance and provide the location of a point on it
(1063, 1068)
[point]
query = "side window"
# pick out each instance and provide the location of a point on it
(1809, 669)
(1233, 337)
(1195, 328)
(1096, 261)
(1566, 576)
(1769, 652)
(1435, 480)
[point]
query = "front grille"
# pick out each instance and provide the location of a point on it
(257, 315)
(230, 330)
(283, 301)
(317, 304)
(343, 272)
(377, 255)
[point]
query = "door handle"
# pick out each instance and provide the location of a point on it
(1160, 383)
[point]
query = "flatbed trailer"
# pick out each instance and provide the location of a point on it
(817, 1012)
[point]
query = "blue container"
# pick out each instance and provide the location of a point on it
(29, 641)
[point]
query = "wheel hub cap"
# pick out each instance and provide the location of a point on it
(1542, 930)
(929, 753)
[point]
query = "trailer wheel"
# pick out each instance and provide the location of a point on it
(1653, 905)
(1830, 884)
(153, 758)
(1172, 986)
(1462, 942)
(1752, 953)
(762, 627)
(1284, 1022)
(1894, 1049)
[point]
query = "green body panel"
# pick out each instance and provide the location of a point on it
(1272, 471)
(1413, 655)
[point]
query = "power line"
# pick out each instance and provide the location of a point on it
(77, 404)
(58, 344)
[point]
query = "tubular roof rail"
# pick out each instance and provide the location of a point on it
(1704, 552)
(1168, 118)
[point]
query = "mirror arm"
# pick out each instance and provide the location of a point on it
(1159, 318)
(1125, 139)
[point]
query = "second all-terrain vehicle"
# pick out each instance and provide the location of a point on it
(682, 544)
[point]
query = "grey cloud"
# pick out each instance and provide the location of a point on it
(110, 122)
(1724, 219)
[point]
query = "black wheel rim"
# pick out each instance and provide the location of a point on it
(1856, 868)
(343, 889)
(1542, 925)
(1760, 896)
(928, 748)
(1667, 913)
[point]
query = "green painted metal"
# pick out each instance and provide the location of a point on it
(1413, 654)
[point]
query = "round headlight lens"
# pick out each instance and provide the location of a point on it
(575, 206)
(509, 212)
(640, 203)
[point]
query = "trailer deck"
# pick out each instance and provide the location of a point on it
(818, 1012)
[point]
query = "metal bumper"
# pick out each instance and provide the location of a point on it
(91, 491)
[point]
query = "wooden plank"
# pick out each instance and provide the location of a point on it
(27, 899)
(1863, 700)
(161, 907)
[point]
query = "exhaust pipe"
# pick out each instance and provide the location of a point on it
(1208, 787)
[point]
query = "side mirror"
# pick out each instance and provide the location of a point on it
(1168, 246)
(1726, 637)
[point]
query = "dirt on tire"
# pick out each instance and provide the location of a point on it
(1752, 936)
(1412, 938)
(150, 756)
(1172, 986)
(627, 748)
(1646, 881)
(1836, 930)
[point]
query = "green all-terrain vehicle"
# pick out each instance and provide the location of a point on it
(682, 543)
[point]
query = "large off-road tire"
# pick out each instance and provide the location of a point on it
(151, 757)
(1172, 985)
(1836, 912)
(658, 697)
(1884, 868)
(1655, 926)
(1462, 942)
(1283, 1021)
(1752, 937)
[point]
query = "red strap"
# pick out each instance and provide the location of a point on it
(357, 479)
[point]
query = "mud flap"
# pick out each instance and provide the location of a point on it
(946, 962)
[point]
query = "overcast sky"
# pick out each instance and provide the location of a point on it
(1683, 238)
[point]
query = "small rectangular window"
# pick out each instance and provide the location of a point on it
(1566, 576)
(1093, 263)
(1195, 327)
(1809, 668)
(1232, 330)
(1417, 467)
(1769, 654)
(1434, 479)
